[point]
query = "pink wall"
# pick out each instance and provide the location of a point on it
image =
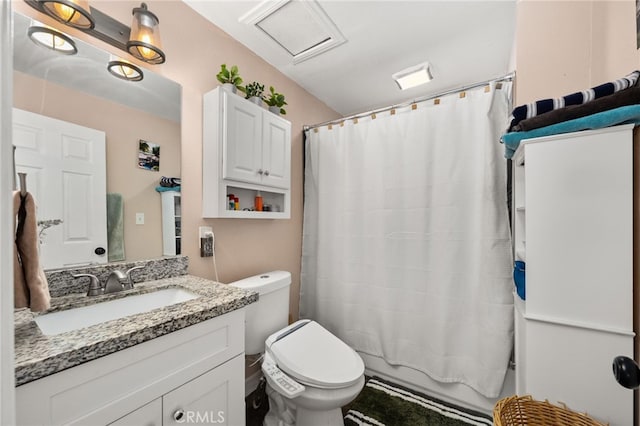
(123, 127)
(195, 48)
(566, 46)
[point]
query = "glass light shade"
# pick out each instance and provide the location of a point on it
(125, 70)
(144, 41)
(75, 13)
(52, 39)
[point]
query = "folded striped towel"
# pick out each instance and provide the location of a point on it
(170, 182)
(540, 107)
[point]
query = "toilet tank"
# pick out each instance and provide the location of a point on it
(270, 313)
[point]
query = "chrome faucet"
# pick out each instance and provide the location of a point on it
(113, 283)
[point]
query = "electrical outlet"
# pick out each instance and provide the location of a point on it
(139, 218)
(206, 246)
(206, 241)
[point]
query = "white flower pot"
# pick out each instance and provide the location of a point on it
(229, 87)
(256, 100)
(274, 109)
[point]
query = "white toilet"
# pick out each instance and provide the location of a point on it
(310, 373)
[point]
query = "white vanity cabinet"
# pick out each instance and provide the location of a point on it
(194, 373)
(246, 152)
(573, 226)
(148, 415)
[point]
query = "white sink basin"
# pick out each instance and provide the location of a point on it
(85, 316)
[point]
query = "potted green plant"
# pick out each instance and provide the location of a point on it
(254, 91)
(230, 78)
(275, 101)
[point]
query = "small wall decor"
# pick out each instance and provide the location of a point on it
(149, 156)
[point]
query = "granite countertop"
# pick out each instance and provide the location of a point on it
(37, 355)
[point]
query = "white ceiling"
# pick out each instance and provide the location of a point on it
(466, 42)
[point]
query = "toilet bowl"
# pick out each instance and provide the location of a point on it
(310, 372)
(331, 373)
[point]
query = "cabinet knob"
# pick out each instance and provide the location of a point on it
(260, 171)
(266, 172)
(178, 414)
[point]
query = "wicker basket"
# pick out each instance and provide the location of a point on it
(524, 410)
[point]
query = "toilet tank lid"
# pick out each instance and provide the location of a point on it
(265, 283)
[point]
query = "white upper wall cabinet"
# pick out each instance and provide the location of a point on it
(246, 153)
(256, 144)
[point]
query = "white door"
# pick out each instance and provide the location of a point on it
(276, 158)
(66, 173)
(242, 149)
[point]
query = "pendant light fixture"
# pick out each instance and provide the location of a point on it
(52, 39)
(124, 70)
(144, 40)
(75, 13)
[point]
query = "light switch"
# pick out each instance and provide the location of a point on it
(139, 218)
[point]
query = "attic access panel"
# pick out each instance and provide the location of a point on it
(302, 28)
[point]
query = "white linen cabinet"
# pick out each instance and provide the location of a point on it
(573, 226)
(171, 223)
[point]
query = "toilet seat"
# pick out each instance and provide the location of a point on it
(313, 356)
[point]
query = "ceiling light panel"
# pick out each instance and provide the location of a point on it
(302, 28)
(414, 76)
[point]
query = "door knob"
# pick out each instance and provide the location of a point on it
(626, 372)
(99, 251)
(266, 172)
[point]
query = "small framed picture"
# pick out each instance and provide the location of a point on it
(149, 156)
(638, 24)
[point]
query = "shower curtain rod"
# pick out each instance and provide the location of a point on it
(508, 77)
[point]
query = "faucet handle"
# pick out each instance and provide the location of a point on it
(129, 277)
(94, 288)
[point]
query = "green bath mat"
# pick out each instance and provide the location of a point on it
(385, 404)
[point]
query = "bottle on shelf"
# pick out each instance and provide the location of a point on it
(258, 204)
(232, 202)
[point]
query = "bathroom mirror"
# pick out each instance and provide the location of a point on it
(78, 89)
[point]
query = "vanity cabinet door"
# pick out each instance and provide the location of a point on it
(147, 415)
(242, 144)
(215, 397)
(276, 151)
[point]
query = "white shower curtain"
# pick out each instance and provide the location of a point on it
(406, 246)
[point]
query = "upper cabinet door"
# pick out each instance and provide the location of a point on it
(276, 151)
(242, 140)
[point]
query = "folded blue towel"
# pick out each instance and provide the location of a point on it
(115, 227)
(167, 188)
(623, 115)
